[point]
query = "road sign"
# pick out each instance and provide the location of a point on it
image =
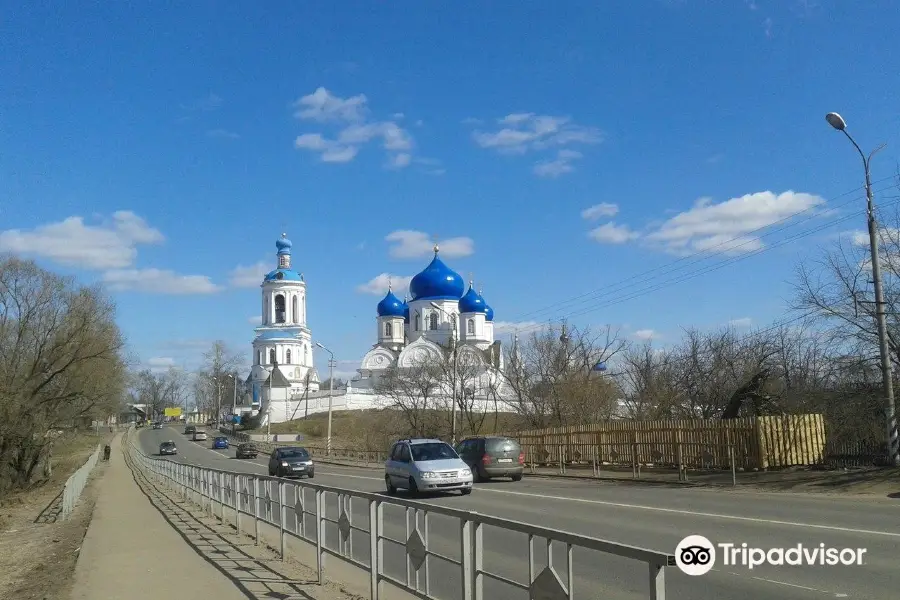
(173, 412)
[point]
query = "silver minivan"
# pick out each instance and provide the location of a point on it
(426, 465)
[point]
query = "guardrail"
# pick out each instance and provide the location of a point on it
(444, 547)
(75, 484)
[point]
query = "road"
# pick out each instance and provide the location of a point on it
(650, 517)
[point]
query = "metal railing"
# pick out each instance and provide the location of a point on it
(445, 552)
(75, 484)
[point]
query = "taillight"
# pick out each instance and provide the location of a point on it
(521, 458)
(486, 459)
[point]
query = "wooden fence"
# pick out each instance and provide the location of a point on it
(749, 443)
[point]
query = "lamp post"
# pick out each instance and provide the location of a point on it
(837, 121)
(455, 322)
(330, 394)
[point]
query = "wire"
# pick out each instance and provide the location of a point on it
(708, 269)
(700, 256)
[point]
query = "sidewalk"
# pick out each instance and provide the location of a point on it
(130, 551)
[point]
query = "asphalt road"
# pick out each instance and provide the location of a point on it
(650, 517)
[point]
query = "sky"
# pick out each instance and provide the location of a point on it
(651, 165)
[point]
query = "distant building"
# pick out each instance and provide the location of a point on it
(282, 362)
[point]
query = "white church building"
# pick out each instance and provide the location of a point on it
(440, 315)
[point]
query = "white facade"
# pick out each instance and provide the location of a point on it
(283, 369)
(441, 316)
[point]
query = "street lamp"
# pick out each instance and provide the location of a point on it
(330, 394)
(454, 340)
(837, 121)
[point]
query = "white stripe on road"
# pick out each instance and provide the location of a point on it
(664, 510)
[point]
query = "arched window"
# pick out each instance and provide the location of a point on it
(279, 308)
(295, 309)
(287, 357)
(272, 356)
(388, 330)
(470, 327)
(259, 357)
(433, 321)
(418, 322)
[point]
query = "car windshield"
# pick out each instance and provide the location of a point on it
(294, 453)
(501, 445)
(168, 444)
(221, 439)
(433, 451)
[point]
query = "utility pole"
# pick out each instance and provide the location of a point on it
(836, 121)
(331, 364)
(234, 403)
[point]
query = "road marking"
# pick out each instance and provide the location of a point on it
(784, 583)
(696, 514)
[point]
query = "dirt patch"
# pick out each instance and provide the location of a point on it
(38, 552)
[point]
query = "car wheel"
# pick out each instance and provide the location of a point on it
(517, 477)
(465, 491)
(413, 488)
(391, 490)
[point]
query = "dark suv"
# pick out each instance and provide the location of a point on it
(492, 456)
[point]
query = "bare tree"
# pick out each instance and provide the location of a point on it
(414, 390)
(218, 380)
(553, 371)
(61, 359)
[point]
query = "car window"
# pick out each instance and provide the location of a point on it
(294, 453)
(433, 451)
(502, 445)
(403, 455)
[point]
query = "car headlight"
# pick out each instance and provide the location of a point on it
(465, 472)
(308, 463)
(284, 463)
(429, 475)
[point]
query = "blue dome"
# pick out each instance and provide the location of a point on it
(283, 245)
(391, 306)
(472, 302)
(283, 275)
(488, 313)
(437, 282)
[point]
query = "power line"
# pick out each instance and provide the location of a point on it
(676, 280)
(700, 256)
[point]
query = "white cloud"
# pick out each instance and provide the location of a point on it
(597, 211)
(729, 226)
(223, 134)
(742, 323)
(257, 320)
(610, 233)
(415, 244)
(646, 334)
(156, 281)
(250, 276)
(558, 166)
(112, 244)
(356, 129)
(378, 286)
(160, 364)
(523, 132)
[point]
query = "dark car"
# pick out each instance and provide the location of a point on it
(291, 462)
(190, 429)
(492, 456)
(167, 448)
(246, 450)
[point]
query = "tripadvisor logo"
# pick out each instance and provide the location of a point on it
(696, 555)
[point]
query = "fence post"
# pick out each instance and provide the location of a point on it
(320, 533)
(634, 468)
(657, 582)
(220, 480)
(281, 517)
(374, 554)
(465, 547)
(238, 495)
(679, 456)
(256, 508)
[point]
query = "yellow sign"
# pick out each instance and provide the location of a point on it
(173, 412)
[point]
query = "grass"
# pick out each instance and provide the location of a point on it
(375, 429)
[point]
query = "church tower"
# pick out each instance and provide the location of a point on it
(282, 347)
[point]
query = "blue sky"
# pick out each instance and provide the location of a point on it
(555, 150)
